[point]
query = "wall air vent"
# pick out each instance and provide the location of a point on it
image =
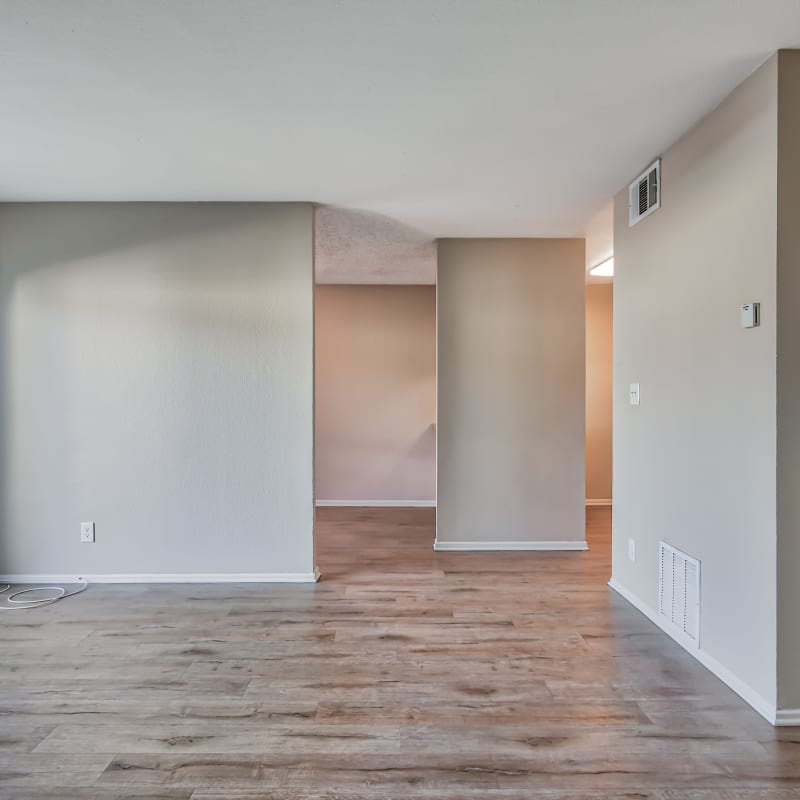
(644, 194)
(679, 591)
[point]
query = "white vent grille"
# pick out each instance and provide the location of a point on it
(644, 194)
(679, 591)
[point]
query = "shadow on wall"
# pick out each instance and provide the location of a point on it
(375, 393)
(421, 451)
(599, 390)
(140, 343)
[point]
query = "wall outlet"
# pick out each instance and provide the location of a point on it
(632, 549)
(633, 394)
(87, 532)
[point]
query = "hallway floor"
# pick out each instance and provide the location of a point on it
(403, 674)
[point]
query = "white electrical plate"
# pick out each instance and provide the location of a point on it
(633, 394)
(750, 315)
(87, 532)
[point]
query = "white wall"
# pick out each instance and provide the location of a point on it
(694, 464)
(511, 391)
(376, 393)
(157, 375)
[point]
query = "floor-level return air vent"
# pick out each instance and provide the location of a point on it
(644, 194)
(679, 591)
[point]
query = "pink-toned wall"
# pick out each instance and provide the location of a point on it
(599, 364)
(375, 368)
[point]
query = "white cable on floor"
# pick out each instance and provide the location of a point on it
(22, 605)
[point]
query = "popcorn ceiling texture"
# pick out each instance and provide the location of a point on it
(362, 247)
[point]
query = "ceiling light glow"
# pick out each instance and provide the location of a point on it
(605, 269)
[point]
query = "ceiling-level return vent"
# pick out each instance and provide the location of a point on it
(644, 194)
(679, 591)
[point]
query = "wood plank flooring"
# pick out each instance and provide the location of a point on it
(404, 674)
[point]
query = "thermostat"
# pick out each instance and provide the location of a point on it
(750, 316)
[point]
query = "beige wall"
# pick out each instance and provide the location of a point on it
(694, 464)
(599, 363)
(375, 393)
(157, 379)
(511, 390)
(788, 380)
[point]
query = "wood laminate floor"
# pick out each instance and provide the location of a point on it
(403, 674)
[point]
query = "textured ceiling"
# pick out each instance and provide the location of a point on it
(361, 247)
(453, 117)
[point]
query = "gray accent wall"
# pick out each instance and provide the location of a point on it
(695, 463)
(511, 391)
(157, 379)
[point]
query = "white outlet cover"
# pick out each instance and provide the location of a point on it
(632, 549)
(633, 394)
(87, 532)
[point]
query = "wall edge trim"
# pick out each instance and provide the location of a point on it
(163, 577)
(729, 678)
(376, 504)
(788, 717)
(500, 546)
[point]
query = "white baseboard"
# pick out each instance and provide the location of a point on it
(161, 577)
(787, 717)
(497, 546)
(415, 503)
(746, 692)
(376, 503)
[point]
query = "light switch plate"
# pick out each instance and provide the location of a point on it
(633, 394)
(750, 315)
(87, 532)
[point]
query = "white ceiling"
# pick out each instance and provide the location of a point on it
(599, 232)
(452, 117)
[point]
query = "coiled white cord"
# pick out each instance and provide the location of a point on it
(36, 602)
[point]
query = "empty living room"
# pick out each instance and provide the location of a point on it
(399, 400)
